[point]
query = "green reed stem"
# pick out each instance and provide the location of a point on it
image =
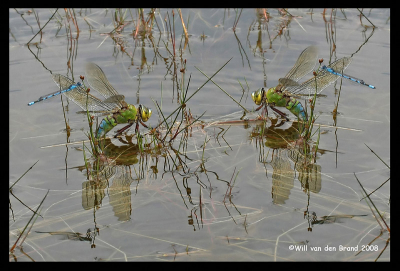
(365, 192)
(36, 213)
(247, 111)
(196, 91)
(189, 124)
(22, 175)
(377, 156)
(317, 143)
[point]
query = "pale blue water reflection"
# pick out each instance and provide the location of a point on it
(223, 193)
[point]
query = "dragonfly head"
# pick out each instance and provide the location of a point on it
(258, 95)
(145, 113)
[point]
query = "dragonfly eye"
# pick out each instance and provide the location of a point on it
(145, 113)
(257, 96)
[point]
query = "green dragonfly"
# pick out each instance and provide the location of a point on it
(114, 107)
(286, 92)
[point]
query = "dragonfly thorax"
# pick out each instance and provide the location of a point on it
(276, 97)
(130, 113)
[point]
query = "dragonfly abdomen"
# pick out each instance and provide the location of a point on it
(106, 125)
(297, 109)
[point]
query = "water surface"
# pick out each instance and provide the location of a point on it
(147, 209)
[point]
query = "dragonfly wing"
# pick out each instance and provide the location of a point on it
(304, 64)
(288, 82)
(98, 81)
(323, 79)
(115, 99)
(79, 96)
(95, 113)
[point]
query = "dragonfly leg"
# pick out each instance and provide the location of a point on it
(120, 139)
(244, 114)
(263, 111)
(280, 113)
(258, 108)
(123, 129)
(144, 125)
(137, 127)
(280, 123)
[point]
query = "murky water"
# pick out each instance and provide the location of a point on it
(226, 190)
